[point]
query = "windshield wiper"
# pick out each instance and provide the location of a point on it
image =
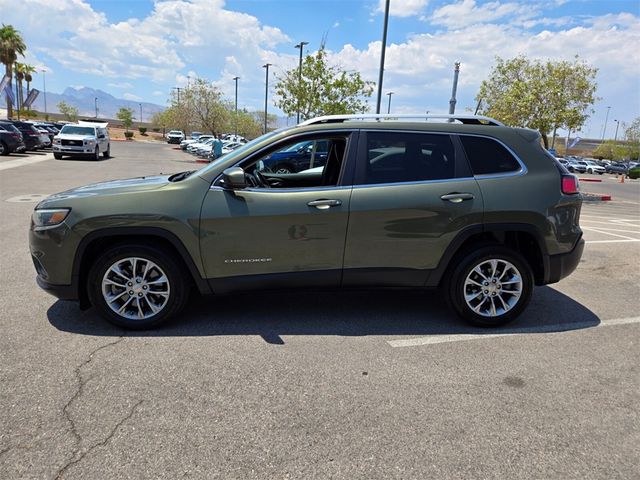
(180, 176)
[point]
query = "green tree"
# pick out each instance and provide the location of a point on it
(322, 89)
(70, 113)
(11, 45)
(272, 120)
(604, 150)
(543, 96)
(125, 115)
(632, 137)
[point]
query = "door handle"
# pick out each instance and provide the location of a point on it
(324, 204)
(457, 197)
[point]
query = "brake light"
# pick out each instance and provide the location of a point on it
(570, 184)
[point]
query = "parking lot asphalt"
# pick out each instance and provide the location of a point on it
(364, 384)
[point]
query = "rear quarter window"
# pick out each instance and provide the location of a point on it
(487, 156)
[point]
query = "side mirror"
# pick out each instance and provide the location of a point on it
(101, 136)
(234, 178)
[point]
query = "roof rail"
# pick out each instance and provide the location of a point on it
(466, 119)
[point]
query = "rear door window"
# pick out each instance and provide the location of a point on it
(487, 156)
(393, 157)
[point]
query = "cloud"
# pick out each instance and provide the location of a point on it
(158, 93)
(402, 8)
(124, 85)
(131, 96)
(468, 12)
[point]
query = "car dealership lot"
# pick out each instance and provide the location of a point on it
(386, 384)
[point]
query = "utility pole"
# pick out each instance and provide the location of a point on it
(236, 80)
(300, 46)
(384, 48)
(389, 106)
(95, 103)
(617, 125)
(266, 94)
(452, 102)
(604, 129)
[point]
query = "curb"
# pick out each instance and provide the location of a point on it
(590, 179)
(593, 197)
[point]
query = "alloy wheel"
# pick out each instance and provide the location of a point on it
(493, 287)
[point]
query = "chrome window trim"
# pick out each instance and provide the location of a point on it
(421, 182)
(288, 190)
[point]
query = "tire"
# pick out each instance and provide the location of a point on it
(282, 169)
(96, 154)
(590, 171)
(57, 156)
(156, 271)
(4, 150)
(463, 279)
(107, 152)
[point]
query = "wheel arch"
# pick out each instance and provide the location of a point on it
(523, 238)
(93, 244)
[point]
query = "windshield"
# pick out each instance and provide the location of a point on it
(76, 130)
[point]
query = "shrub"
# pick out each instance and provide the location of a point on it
(142, 130)
(634, 172)
(128, 135)
(156, 129)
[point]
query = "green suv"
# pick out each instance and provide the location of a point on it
(466, 204)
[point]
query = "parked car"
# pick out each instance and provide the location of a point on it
(298, 157)
(575, 166)
(10, 139)
(175, 136)
(593, 167)
(476, 208)
(30, 135)
(202, 139)
(617, 168)
(84, 139)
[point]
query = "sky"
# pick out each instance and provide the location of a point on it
(141, 49)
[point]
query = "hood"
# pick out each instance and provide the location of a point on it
(114, 187)
(67, 136)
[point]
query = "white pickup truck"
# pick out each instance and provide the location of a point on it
(85, 138)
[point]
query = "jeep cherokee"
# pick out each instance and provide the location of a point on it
(467, 204)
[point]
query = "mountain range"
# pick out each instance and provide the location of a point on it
(84, 99)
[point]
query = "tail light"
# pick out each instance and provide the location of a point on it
(570, 184)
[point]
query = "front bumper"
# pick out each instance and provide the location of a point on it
(69, 150)
(561, 266)
(63, 292)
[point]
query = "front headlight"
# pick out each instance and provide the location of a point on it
(56, 141)
(48, 217)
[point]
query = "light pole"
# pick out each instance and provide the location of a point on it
(617, 125)
(452, 102)
(606, 119)
(384, 48)
(300, 46)
(236, 80)
(266, 94)
(95, 102)
(389, 106)
(177, 89)
(44, 87)
(140, 112)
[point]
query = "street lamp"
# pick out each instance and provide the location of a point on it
(384, 48)
(266, 94)
(617, 125)
(236, 80)
(300, 46)
(389, 106)
(604, 129)
(140, 112)
(95, 102)
(44, 87)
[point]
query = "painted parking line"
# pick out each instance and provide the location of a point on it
(20, 162)
(465, 337)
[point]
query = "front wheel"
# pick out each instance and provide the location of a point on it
(107, 152)
(137, 286)
(490, 286)
(4, 150)
(590, 171)
(57, 156)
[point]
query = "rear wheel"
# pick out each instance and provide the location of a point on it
(107, 152)
(283, 169)
(590, 171)
(489, 286)
(4, 150)
(57, 156)
(137, 286)
(96, 154)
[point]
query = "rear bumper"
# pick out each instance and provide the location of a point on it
(563, 265)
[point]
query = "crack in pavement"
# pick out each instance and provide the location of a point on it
(102, 443)
(67, 415)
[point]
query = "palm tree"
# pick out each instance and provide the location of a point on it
(28, 70)
(19, 75)
(11, 45)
